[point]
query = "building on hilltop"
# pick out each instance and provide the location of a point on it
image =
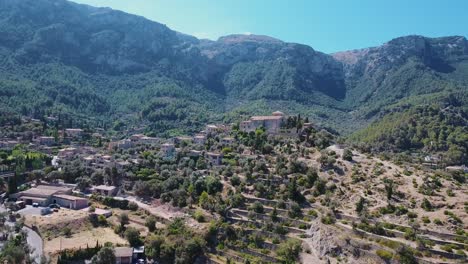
(272, 124)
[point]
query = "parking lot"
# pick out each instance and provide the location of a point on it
(30, 210)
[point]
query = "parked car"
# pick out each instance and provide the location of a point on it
(35, 205)
(45, 211)
(20, 205)
(54, 206)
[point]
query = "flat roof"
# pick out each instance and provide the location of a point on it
(37, 191)
(54, 187)
(33, 198)
(105, 187)
(69, 197)
(261, 118)
(123, 251)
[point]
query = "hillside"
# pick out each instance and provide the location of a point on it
(97, 66)
(439, 127)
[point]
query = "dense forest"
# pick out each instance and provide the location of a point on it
(437, 127)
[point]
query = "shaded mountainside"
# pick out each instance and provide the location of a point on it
(403, 67)
(97, 63)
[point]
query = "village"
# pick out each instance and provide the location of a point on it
(270, 178)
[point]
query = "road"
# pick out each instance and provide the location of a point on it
(36, 244)
(34, 240)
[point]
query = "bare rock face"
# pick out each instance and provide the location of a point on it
(326, 244)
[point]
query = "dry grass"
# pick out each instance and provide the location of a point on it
(82, 239)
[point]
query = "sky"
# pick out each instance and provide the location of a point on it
(326, 25)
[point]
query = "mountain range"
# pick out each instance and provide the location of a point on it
(109, 67)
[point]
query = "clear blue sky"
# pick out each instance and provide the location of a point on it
(326, 25)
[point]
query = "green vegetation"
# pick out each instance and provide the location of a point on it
(438, 127)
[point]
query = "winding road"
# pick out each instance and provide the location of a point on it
(34, 240)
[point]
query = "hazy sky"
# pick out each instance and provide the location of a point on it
(326, 25)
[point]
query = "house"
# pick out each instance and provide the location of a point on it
(168, 149)
(199, 139)
(142, 139)
(47, 194)
(105, 190)
(214, 159)
(211, 129)
(70, 201)
(431, 159)
(123, 255)
(47, 141)
(227, 140)
(179, 140)
(67, 153)
(121, 144)
(8, 144)
(194, 153)
(462, 168)
(74, 132)
(272, 124)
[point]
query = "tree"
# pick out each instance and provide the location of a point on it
(289, 250)
(274, 214)
(426, 205)
(153, 246)
(347, 155)
(141, 189)
(293, 192)
(389, 185)
(123, 219)
(133, 237)
(213, 185)
(406, 256)
(150, 223)
(105, 255)
(360, 205)
(12, 185)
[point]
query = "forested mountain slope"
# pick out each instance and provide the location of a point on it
(87, 63)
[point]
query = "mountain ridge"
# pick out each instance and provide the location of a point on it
(127, 62)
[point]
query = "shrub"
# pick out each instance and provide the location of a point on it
(437, 221)
(312, 213)
(150, 223)
(66, 231)
(102, 221)
(384, 254)
(412, 215)
(132, 206)
(328, 219)
(426, 205)
(199, 216)
(426, 220)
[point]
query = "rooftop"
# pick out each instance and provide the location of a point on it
(38, 192)
(105, 187)
(123, 251)
(69, 197)
(261, 118)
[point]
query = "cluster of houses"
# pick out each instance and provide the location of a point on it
(134, 140)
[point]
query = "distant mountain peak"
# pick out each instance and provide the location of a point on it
(238, 38)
